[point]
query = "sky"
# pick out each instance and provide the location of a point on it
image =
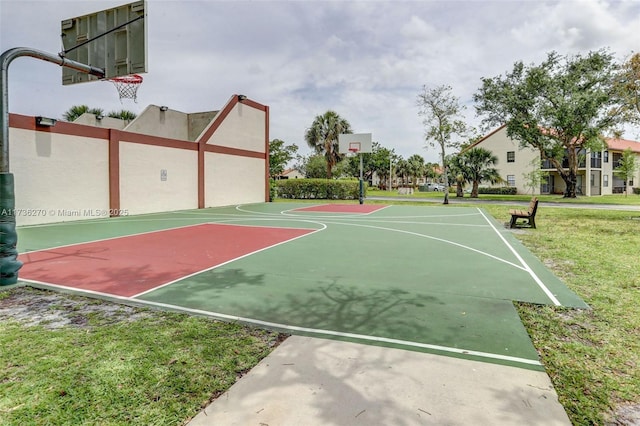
(365, 60)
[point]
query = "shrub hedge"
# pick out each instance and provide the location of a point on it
(326, 189)
(502, 190)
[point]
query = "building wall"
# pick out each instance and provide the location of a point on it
(106, 122)
(78, 172)
(243, 128)
(223, 188)
(169, 124)
(157, 178)
(58, 177)
(591, 180)
(500, 144)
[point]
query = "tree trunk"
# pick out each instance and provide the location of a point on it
(446, 176)
(459, 192)
(570, 182)
(474, 189)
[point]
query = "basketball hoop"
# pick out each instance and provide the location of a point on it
(127, 86)
(354, 147)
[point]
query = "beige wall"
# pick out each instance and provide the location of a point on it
(232, 180)
(58, 178)
(167, 124)
(499, 144)
(78, 172)
(106, 122)
(198, 121)
(242, 128)
(142, 189)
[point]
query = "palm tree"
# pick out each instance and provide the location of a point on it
(416, 168)
(478, 164)
(458, 173)
(77, 110)
(402, 170)
(322, 137)
(123, 114)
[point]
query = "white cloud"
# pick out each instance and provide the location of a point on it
(366, 60)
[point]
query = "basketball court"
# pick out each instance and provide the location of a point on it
(423, 278)
(426, 280)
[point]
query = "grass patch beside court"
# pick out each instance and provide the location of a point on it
(592, 356)
(71, 360)
(618, 199)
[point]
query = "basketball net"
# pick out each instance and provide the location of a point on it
(127, 86)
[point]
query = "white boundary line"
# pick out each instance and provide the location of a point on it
(231, 260)
(431, 238)
(526, 267)
(317, 331)
(348, 335)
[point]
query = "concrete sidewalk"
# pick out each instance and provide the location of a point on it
(310, 381)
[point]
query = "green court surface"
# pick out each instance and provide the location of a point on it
(438, 279)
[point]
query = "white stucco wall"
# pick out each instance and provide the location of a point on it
(58, 177)
(242, 128)
(232, 180)
(142, 189)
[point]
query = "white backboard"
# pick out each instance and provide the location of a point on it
(350, 141)
(123, 51)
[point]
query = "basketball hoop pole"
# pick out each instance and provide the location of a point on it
(9, 263)
(361, 181)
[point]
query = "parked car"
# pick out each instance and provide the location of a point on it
(435, 187)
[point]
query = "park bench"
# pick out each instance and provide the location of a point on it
(529, 215)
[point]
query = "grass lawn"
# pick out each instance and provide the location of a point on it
(617, 199)
(68, 360)
(592, 356)
(111, 364)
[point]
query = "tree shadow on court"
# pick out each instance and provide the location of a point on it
(197, 290)
(347, 308)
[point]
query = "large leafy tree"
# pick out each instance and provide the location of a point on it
(442, 118)
(279, 155)
(560, 107)
(377, 162)
(629, 87)
(313, 166)
(322, 137)
(477, 165)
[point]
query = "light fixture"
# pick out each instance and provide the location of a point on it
(241, 97)
(45, 121)
(163, 108)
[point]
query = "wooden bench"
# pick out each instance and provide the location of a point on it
(529, 215)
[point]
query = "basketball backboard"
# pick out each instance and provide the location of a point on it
(355, 143)
(113, 39)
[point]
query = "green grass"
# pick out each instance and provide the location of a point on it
(159, 369)
(592, 356)
(603, 199)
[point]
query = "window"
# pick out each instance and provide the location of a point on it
(511, 180)
(606, 156)
(593, 180)
(605, 180)
(511, 156)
